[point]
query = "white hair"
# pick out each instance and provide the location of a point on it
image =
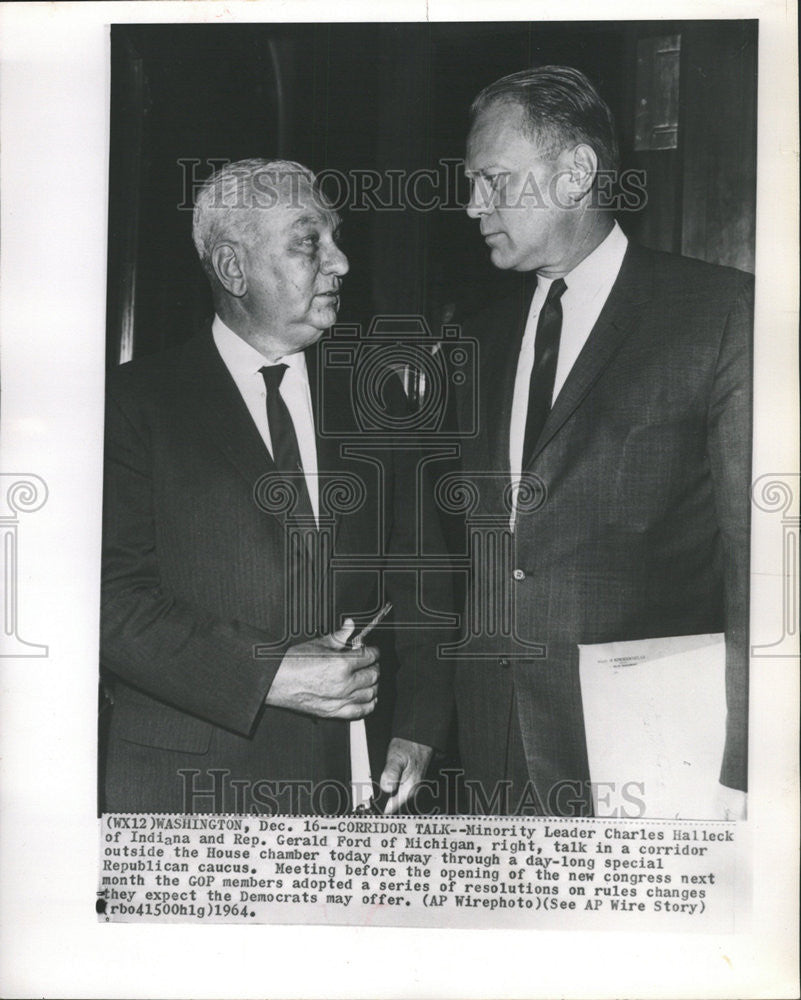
(245, 184)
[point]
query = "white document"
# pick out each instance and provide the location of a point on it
(655, 719)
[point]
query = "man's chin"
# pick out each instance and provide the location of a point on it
(319, 321)
(503, 261)
(322, 315)
(510, 262)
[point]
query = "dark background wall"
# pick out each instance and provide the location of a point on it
(394, 97)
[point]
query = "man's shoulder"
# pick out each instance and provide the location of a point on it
(502, 311)
(668, 276)
(677, 276)
(157, 375)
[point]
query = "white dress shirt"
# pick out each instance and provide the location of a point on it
(244, 362)
(588, 288)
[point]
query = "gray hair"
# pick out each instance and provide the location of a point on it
(561, 106)
(224, 205)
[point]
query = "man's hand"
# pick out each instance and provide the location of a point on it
(324, 677)
(731, 803)
(404, 770)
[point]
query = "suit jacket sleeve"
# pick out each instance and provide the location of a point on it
(149, 638)
(729, 447)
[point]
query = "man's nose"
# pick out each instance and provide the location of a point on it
(480, 202)
(336, 262)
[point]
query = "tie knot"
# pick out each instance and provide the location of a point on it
(556, 290)
(272, 375)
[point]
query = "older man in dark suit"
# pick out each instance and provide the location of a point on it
(238, 535)
(616, 380)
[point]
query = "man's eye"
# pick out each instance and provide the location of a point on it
(309, 241)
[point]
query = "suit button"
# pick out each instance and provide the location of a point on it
(519, 574)
(503, 662)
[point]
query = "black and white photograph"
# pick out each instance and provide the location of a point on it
(407, 542)
(570, 315)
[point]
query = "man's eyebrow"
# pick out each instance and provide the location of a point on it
(306, 220)
(317, 219)
(478, 171)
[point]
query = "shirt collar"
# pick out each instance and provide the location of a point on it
(597, 267)
(242, 359)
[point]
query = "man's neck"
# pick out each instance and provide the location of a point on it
(238, 322)
(586, 240)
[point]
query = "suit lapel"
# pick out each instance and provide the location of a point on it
(220, 413)
(219, 410)
(620, 314)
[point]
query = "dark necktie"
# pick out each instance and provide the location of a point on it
(543, 371)
(286, 453)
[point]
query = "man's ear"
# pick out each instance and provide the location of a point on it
(228, 269)
(583, 170)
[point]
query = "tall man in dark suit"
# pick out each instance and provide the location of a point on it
(617, 380)
(238, 536)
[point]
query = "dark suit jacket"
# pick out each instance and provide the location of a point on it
(197, 575)
(644, 528)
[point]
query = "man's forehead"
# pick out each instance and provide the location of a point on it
(316, 214)
(497, 130)
(297, 207)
